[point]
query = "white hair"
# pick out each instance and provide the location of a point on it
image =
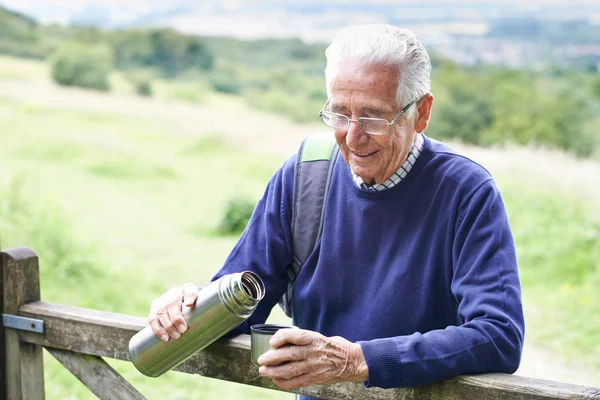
(385, 44)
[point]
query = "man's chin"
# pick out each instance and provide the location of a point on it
(367, 178)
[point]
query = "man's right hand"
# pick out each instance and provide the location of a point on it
(166, 319)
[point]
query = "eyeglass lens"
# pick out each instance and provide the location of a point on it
(369, 125)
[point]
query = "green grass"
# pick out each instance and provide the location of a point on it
(110, 203)
(193, 91)
(557, 234)
(12, 68)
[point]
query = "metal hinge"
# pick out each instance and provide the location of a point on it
(23, 323)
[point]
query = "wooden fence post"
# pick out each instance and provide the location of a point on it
(3, 388)
(23, 362)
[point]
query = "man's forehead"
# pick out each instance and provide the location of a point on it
(376, 83)
(370, 86)
(355, 72)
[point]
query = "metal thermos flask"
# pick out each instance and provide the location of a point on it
(221, 306)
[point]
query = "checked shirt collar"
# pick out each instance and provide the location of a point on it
(393, 180)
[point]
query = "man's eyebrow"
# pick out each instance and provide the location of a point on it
(337, 107)
(372, 110)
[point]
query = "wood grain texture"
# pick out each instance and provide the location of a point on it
(99, 377)
(106, 334)
(24, 361)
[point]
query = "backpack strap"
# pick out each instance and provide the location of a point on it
(314, 165)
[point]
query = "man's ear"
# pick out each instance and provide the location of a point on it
(424, 112)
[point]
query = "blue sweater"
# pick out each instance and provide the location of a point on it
(423, 275)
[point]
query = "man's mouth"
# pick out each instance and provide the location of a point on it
(364, 155)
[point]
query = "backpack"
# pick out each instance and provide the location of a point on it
(314, 164)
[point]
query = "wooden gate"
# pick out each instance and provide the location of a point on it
(79, 338)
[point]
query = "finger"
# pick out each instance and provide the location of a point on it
(174, 311)
(173, 299)
(287, 370)
(284, 354)
(190, 294)
(155, 324)
(158, 330)
(295, 382)
(176, 316)
(300, 337)
(165, 321)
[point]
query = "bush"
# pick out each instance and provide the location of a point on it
(143, 87)
(237, 215)
(224, 84)
(83, 65)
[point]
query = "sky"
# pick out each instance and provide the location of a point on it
(283, 18)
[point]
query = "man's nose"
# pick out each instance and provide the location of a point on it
(356, 136)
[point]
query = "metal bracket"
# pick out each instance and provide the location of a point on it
(23, 323)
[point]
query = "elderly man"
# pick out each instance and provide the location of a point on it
(414, 278)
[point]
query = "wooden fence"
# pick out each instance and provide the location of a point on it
(79, 338)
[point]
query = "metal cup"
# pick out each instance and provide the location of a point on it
(260, 334)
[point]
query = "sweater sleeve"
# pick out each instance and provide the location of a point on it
(265, 245)
(485, 284)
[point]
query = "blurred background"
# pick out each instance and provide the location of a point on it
(122, 125)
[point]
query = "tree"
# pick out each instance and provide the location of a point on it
(78, 64)
(196, 55)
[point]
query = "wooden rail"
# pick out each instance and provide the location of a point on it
(79, 338)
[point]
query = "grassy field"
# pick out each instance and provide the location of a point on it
(121, 197)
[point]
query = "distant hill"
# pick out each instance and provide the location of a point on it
(540, 35)
(19, 35)
(5, 12)
(15, 25)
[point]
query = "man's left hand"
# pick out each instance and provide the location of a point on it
(312, 359)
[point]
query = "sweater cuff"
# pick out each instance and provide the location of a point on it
(384, 365)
